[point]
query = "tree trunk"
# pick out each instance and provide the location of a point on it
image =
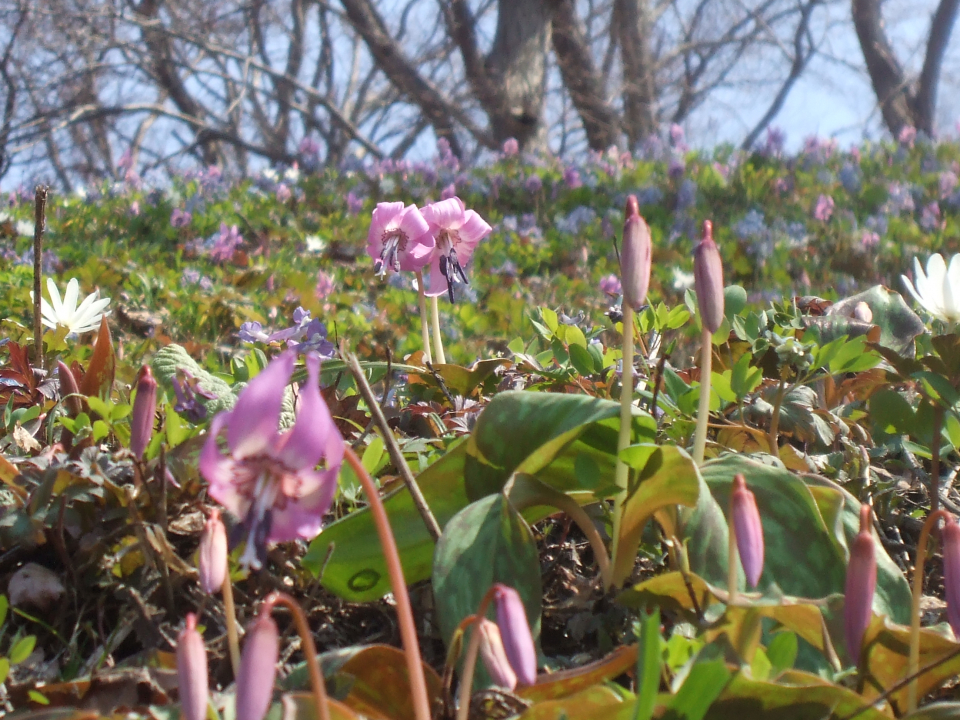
(631, 19)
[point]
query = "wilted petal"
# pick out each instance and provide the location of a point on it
(516, 635)
(258, 669)
(255, 417)
(314, 434)
(192, 671)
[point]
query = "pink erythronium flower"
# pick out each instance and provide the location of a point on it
(456, 232)
(399, 238)
(269, 479)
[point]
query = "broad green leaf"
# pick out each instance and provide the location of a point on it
(704, 683)
(669, 477)
(21, 649)
(782, 651)
(890, 412)
(599, 701)
(485, 543)
(648, 664)
(4, 669)
(170, 358)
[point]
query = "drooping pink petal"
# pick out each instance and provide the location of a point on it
(473, 230)
(445, 214)
(254, 419)
(438, 283)
(412, 223)
(314, 434)
(385, 217)
(303, 518)
(214, 466)
(417, 254)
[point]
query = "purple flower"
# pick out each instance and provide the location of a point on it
(186, 387)
(192, 671)
(269, 479)
(533, 184)
(448, 192)
(776, 139)
(180, 218)
(610, 285)
(860, 586)
(930, 217)
(212, 554)
(515, 633)
(283, 193)
(325, 285)
(747, 530)
(511, 147)
(676, 135)
(824, 208)
(354, 203)
(571, 177)
(399, 238)
(258, 668)
(948, 183)
(227, 243)
(310, 147)
(907, 135)
(455, 232)
(869, 240)
(144, 408)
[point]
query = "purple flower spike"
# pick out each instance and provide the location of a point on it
(636, 256)
(950, 538)
(456, 232)
(747, 529)
(515, 632)
(267, 479)
(144, 408)
(399, 238)
(861, 583)
(258, 669)
(212, 555)
(708, 279)
(192, 671)
(494, 656)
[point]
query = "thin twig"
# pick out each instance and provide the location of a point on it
(396, 455)
(39, 223)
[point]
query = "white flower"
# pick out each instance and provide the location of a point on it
(938, 290)
(76, 319)
(682, 280)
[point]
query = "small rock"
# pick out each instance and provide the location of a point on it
(34, 586)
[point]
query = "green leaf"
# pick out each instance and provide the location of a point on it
(704, 683)
(38, 698)
(734, 300)
(4, 606)
(172, 357)
(4, 669)
(891, 413)
(485, 543)
(582, 361)
(743, 378)
(782, 651)
(648, 664)
(898, 324)
(22, 648)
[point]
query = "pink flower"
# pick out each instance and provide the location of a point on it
(610, 285)
(258, 668)
(747, 530)
(456, 232)
(212, 554)
(325, 285)
(869, 240)
(515, 633)
(635, 256)
(283, 193)
(192, 671)
(824, 208)
(708, 279)
(860, 586)
(144, 408)
(399, 238)
(494, 656)
(907, 135)
(180, 218)
(269, 479)
(511, 147)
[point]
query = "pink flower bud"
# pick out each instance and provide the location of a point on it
(258, 668)
(950, 538)
(515, 633)
(708, 279)
(69, 390)
(748, 530)
(192, 671)
(212, 555)
(494, 656)
(635, 256)
(861, 583)
(144, 408)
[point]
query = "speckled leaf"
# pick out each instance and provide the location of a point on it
(564, 683)
(599, 701)
(898, 324)
(165, 364)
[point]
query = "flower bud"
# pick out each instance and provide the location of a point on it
(69, 390)
(861, 583)
(748, 530)
(192, 671)
(515, 633)
(494, 656)
(258, 668)
(144, 408)
(708, 279)
(635, 256)
(950, 538)
(212, 555)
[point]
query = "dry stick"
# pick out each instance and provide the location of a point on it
(396, 455)
(914, 658)
(308, 646)
(230, 610)
(424, 332)
(39, 223)
(437, 340)
(703, 412)
(408, 630)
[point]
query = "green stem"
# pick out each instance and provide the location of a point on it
(773, 436)
(935, 457)
(470, 657)
(437, 340)
(424, 332)
(732, 558)
(230, 610)
(622, 476)
(703, 412)
(408, 630)
(914, 659)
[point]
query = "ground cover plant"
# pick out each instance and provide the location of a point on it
(671, 436)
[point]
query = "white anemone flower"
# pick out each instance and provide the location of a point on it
(66, 313)
(937, 290)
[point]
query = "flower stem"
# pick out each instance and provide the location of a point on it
(309, 649)
(622, 477)
(230, 610)
(408, 630)
(437, 340)
(703, 412)
(935, 457)
(914, 660)
(773, 436)
(424, 333)
(470, 657)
